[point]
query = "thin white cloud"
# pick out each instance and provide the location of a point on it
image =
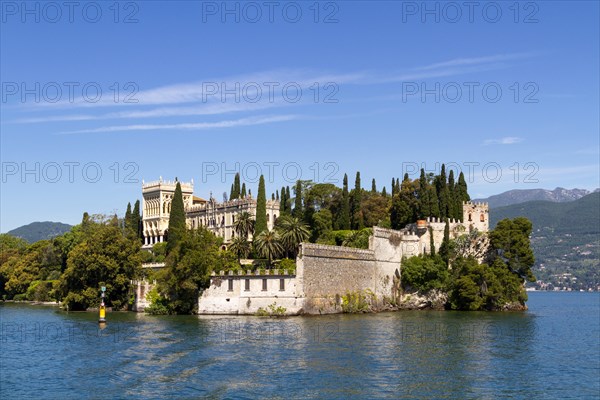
(204, 91)
(197, 98)
(477, 60)
(201, 109)
(591, 151)
(188, 126)
(504, 140)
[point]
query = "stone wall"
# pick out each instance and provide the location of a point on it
(141, 291)
(328, 273)
(246, 293)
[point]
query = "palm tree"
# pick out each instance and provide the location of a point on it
(244, 224)
(240, 247)
(268, 244)
(358, 239)
(293, 232)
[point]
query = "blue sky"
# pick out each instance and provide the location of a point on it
(193, 90)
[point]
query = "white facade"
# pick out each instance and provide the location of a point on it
(246, 293)
(218, 217)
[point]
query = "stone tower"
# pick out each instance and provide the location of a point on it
(476, 216)
(156, 207)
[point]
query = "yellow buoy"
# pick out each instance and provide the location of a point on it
(102, 313)
(102, 317)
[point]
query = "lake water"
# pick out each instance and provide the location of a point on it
(550, 351)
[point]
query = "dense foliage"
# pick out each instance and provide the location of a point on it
(471, 285)
(107, 258)
(187, 269)
(72, 267)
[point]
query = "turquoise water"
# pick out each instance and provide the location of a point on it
(550, 351)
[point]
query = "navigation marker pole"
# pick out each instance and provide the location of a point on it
(102, 318)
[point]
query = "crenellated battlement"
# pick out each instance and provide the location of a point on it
(436, 220)
(476, 216)
(167, 185)
(476, 204)
(385, 233)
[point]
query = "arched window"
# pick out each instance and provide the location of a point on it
(470, 217)
(482, 218)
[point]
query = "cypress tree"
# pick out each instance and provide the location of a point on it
(461, 194)
(398, 212)
(373, 186)
(442, 191)
(137, 219)
(273, 196)
(407, 193)
(433, 201)
(243, 192)
(288, 201)
(344, 217)
(277, 195)
(462, 184)
(452, 205)
(423, 193)
(176, 219)
(232, 192)
(393, 187)
(445, 247)
(298, 213)
(383, 192)
(261, 208)
(431, 242)
(128, 220)
(282, 202)
(356, 214)
(236, 186)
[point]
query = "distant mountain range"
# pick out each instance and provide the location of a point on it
(565, 239)
(40, 230)
(558, 195)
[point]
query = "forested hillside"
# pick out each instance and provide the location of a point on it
(565, 240)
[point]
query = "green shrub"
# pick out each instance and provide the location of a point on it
(273, 311)
(261, 312)
(20, 297)
(355, 302)
(483, 287)
(424, 273)
(158, 304)
(40, 291)
(287, 264)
